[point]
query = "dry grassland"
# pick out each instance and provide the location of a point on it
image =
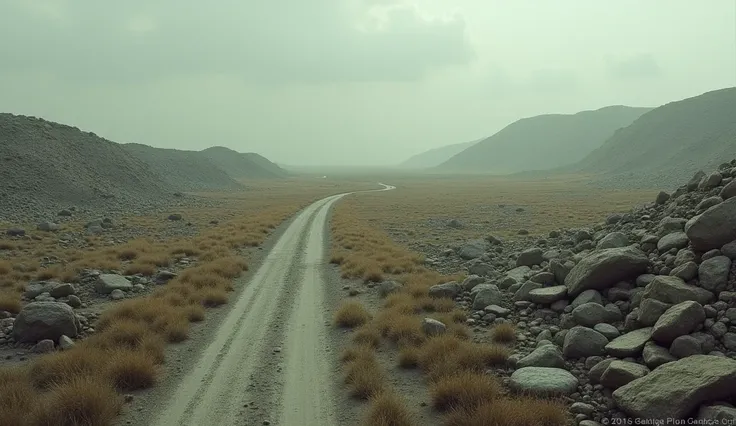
(83, 385)
(420, 207)
(453, 366)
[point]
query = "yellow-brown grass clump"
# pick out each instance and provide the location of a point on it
(351, 314)
(132, 370)
(408, 357)
(465, 390)
(81, 401)
(364, 374)
(367, 335)
(388, 409)
(511, 412)
(447, 356)
(504, 333)
(10, 302)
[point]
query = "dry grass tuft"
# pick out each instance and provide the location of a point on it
(351, 353)
(59, 368)
(401, 302)
(129, 334)
(511, 412)
(16, 394)
(447, 355)
(409, 357)
(81, 401)
(214, 297)
(365, 375)
(195, 313)
(351, 314)
(10, 302)
(140, 268)
(367, 335)
(49, 273)
(464, 391)
(400, 327)
(178, 331)
(132, 370)
(504, 333)
(388, 409)
(431, 304)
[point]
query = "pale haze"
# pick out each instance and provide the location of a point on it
(349, 82)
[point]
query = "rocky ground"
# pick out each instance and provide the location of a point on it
(56, 313)
(49, 215)
(94, 290)
(630, 318)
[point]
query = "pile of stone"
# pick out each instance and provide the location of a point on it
(57, 312)
(633, 318)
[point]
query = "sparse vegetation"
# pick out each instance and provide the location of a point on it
(464, 391)
(408, 356)
(456, 368)
(364, 375)
(84, 400)
(388, 409)
(421, 206)
(352, 314)
(81, 386)
(511, 412)
(504, 333)
(367, 335)
(448, 355)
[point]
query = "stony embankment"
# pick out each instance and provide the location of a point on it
(634, 317)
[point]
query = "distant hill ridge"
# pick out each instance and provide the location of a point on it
(43, 163)
(668, 143)
(240, 166)
(542, 142)
(435, 157)
(184, 170)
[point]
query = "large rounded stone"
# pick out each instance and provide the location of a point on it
(44, 320)
(543, 381)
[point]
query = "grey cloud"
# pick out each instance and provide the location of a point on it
(635, 67)
(501, 82)
(554, 80)
(277, 41)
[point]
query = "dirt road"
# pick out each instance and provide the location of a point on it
(267, 361)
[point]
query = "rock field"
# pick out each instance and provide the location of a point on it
(630, 318)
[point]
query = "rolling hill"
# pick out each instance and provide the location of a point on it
(184, 170)
(435, 157)
(669, 143)
(50, 165)
(542, 142)
(243, 166)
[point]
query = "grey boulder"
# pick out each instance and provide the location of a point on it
(106, 283)
(604, 268)
(44, 320)
(676, 390)
(543, 381)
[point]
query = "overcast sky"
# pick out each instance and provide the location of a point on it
(349, 81)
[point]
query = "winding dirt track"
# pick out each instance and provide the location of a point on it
(270, 350)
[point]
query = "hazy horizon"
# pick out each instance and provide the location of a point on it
(350, 82)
